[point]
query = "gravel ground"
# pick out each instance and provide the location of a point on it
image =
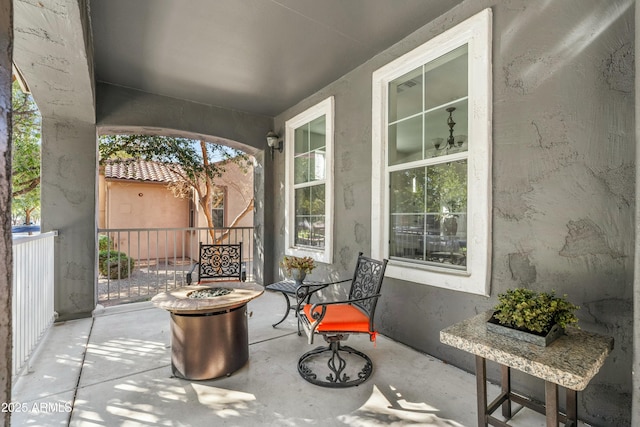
(144, 283)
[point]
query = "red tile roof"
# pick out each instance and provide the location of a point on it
(140, 170)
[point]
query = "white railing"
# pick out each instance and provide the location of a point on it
(32, 306)
(137, 263)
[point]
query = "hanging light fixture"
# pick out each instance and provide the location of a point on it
(451, 141)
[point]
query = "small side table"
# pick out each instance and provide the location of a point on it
(289, 288)
(570, 362)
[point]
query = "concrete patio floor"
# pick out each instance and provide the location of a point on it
(114, 370)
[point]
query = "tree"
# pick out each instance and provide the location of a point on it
(25, 154)
(198, 163)
(27, 206)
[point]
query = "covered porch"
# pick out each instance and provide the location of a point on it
(559, 198)
(114, 369)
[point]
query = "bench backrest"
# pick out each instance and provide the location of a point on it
(220, 262)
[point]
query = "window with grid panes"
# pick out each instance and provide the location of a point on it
(431, 139)
(309, 182)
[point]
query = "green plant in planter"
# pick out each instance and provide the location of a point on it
(536, 312)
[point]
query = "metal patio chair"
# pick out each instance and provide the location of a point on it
(218, 262)
(335, 321)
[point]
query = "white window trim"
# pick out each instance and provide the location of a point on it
(476, 31)
(325, 255)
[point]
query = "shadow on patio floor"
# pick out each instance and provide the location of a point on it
(114, 370)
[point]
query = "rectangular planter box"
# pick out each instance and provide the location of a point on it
(540, 340)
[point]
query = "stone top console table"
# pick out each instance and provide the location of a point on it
(570, 362)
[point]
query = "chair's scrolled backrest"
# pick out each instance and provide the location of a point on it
(220, 261)
(367, 281)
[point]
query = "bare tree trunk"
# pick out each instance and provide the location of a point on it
(237, 219)
(205, 200)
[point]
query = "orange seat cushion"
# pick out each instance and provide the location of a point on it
(340, 318)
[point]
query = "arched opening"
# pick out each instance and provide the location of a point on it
(161, 193)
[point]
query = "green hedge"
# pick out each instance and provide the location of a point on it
(113, 264)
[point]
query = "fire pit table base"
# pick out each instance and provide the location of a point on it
(209, 345)
(209, 333)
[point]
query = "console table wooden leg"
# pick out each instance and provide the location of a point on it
(551, 403)
(572, 408)
(506, 389)
(481, 385)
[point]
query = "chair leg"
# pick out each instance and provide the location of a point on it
(337, 375)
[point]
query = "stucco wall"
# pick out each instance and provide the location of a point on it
(563, 181)
(69, 193)
(145, 205)
(53, 52)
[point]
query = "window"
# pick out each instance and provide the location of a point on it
(217, 207)
(309, 183)
(431, 193)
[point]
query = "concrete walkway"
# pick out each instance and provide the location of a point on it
(114, 370)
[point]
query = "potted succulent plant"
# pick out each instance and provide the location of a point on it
(297, 267)
(534, 317)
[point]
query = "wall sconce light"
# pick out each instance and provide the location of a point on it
(451, 142)
(273, 141)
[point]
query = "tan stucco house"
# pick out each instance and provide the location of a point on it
(137, 194)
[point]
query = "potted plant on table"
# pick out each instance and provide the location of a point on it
(297, 267)
(538, 318)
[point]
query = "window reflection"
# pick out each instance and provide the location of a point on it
(428, 214)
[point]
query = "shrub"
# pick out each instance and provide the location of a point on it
(104, 243)
(114, 264)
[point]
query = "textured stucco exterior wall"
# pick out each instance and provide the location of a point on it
(6, 253)
(69, 199)
(563, 181)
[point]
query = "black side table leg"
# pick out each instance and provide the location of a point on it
(481, 384)
(286, 312)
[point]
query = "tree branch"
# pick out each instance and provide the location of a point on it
(30, 185)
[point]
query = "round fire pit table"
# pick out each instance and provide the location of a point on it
(209, 333)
